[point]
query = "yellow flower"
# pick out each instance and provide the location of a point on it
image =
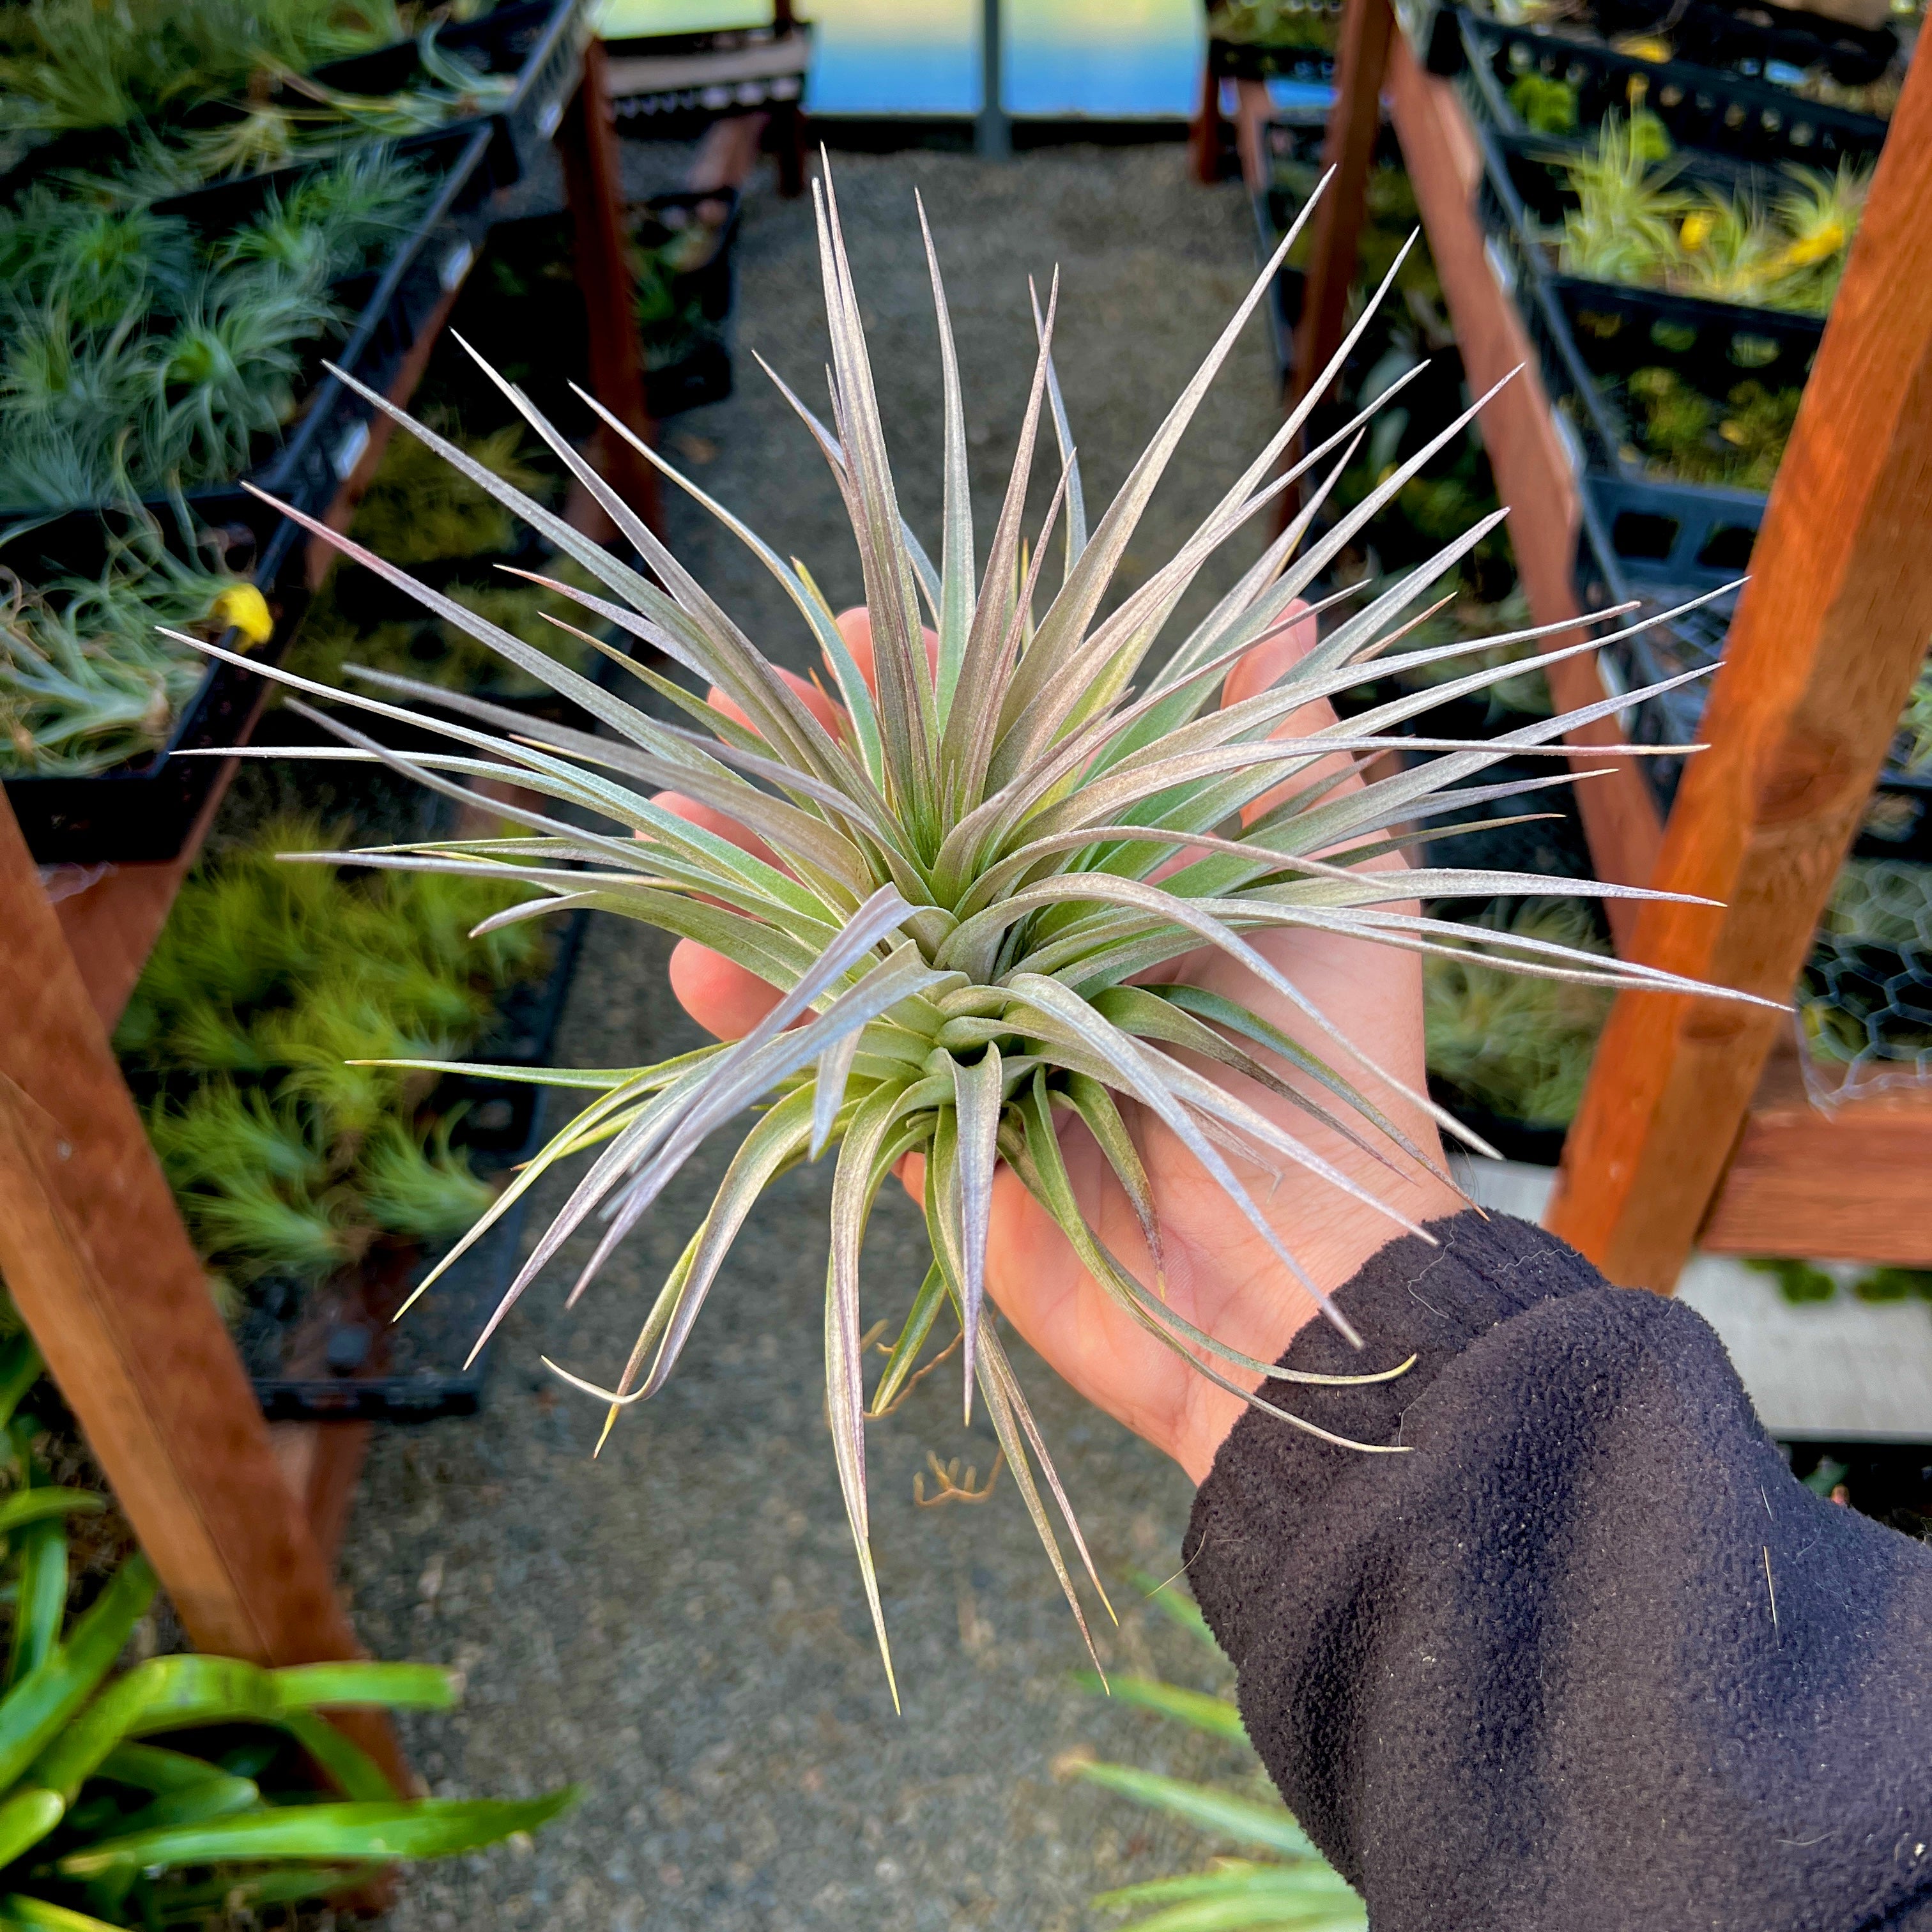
(245, 608)
(1820, 247)
(1695, 231)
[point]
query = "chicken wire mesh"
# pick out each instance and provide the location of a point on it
(1864, 999)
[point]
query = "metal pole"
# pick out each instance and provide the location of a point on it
(993, 136)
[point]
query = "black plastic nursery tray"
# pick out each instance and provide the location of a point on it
(1250, 60)
(144, 810)
(669, 87)
(1757, 43)
(1288, 139)
(1715, 110)
(702, 373)
(337, 1354)
(331, 430)
(1899, 824)
(1589, 334)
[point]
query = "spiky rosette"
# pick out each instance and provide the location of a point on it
(973, 874)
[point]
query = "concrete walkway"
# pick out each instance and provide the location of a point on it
(678, 1625)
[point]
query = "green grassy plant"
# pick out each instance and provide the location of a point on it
(1682, 433)
(1292, 1884)
(1520, 1046)
(178, 1791)
(671, 325)
(86, 679)
(135, 361)
(960, 906)
(1544, 104)
(1798, 1281)
(71, 64)
(130, 70)
(272, 986)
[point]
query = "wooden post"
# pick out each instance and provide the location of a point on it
(99, 1265)
(587, 140)
(1829, 634)
(1348, 147)
(1203, 133)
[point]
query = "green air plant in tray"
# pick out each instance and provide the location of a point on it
(272, 989)
(136, 358)
(1680, 432)
(181, 1790)
(87, 679)
(144, 73)
(1520, 1047)
(1635, 223)
(957, 896)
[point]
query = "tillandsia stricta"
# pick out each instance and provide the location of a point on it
(967, 886)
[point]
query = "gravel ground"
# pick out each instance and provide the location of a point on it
(677, 1625)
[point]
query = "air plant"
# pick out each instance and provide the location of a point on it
(1276, 23)
(1630, 225)
(1459, 614)
(89, 257)
(418, 510)
(1520, 1047)
(1727, 251)
(1544, 104)
(87, 680)
(1914, 725)
(287, 1158)
(956, 897)
(423, 1188)
(1820, 213)
(227, 372)
(1624, 225)
(330, 221)
(1685, 434)
(67, 65)
(134, 363)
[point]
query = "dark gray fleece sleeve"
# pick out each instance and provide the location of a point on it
(1588, 1656)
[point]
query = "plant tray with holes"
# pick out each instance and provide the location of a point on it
(687, 356)
(1751, 122)
(325, 439)
(336, 1353)
(1898, 824)
(1290, 141)
(1311, 61)
(143, 810)
(670, 87)
(1758, 45)
(1590, 336)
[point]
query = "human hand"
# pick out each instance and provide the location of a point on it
(1221, 1275)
